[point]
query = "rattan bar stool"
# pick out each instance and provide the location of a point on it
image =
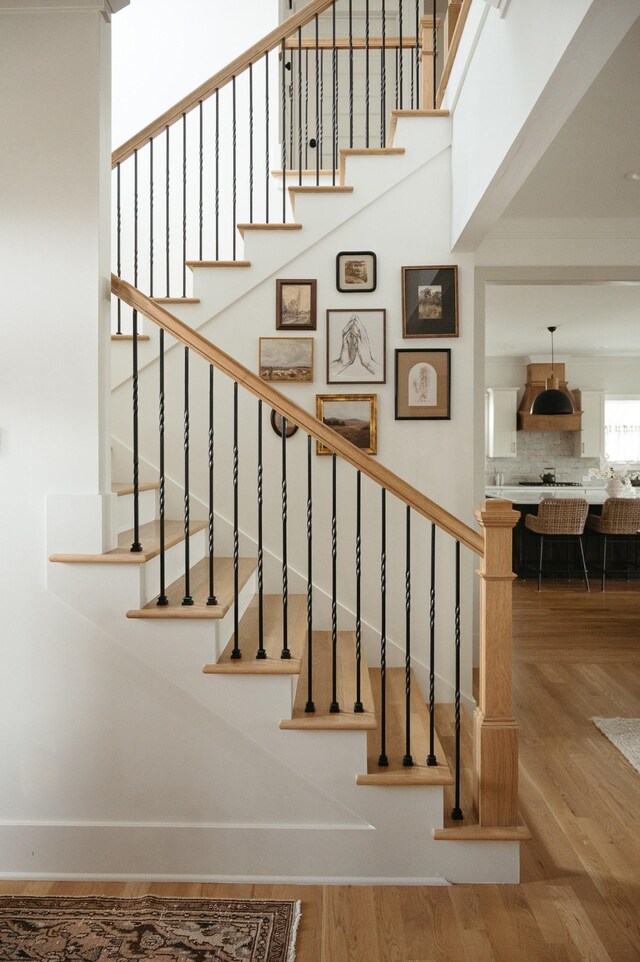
(619, 521)
(558, 519)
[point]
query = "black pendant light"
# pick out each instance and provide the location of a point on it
(552, 400)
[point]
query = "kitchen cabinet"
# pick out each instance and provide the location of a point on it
(592, 431)
(500, 422)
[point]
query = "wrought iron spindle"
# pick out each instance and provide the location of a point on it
(217, 166)
(151, 217)
(162, 595)
(434, 56)
(187, 600)
(118, 246)
(184, 205)
(382, 758)
(335, 707)
(290, 67)
(136, 546)
(397, 87)
(417, 54)
(167, 229)
(350, 73)
(236, 653)
(200, 177)
(401, 74)
(317, 138)
(457, 811)
(267, 172)
(211, 600)
(234, 162)
(310, 706)
(321, 139)
(261, 654)
(407, 761)
(306, 109)
(431, 758)
(366, 73)
(299, 106)
(285, 568)
(251, 143)
(358, 706)
(334, 95)
(283, 107)
(383, 78)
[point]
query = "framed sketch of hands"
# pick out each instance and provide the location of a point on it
(356, 346)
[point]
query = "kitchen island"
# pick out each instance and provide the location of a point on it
(534, 493)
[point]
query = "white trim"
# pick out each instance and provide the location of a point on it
(231, 879)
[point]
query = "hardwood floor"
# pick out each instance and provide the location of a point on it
(575, 655)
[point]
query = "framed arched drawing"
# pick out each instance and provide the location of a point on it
(423, 385)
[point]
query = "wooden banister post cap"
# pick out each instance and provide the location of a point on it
(497, 513)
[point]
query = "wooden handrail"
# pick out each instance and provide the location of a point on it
(297, 415)
(453, 50)
(206, 89)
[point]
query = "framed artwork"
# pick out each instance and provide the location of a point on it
(430, 301)
(286, 358)
(352, 416)
(423, 385)
(296, 305)
(276, 424)
(356, 342)
(356, 272)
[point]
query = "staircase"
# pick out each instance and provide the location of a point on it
(270, 591)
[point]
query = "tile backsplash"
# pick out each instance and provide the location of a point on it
(537, 450)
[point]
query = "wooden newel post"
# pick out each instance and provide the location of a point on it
(495, 733)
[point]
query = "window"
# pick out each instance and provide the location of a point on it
(622, 429)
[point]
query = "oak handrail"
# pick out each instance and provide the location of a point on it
(297, 415)
(206, 89)
(453, 50)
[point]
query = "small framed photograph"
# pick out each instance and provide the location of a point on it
(286, 358)
(352, 416)
(296, 305)
(430, 301)
(423, 385)
(276, 424)
(356, 347)
(356, 272)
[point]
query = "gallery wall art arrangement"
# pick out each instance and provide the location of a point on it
(356, 347)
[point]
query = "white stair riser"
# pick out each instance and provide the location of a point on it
(174, 566)
(146, 508)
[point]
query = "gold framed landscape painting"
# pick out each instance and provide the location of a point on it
(352, 416)
(430, 301)
(286, 359)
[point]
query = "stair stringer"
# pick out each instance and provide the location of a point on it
(220, 287)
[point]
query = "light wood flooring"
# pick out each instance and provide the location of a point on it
(575, 655)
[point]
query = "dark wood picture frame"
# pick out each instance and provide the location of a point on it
(285, 312)
(363, 335)
(350, 266)
(430, 301)
(423, 384)
(276, 424)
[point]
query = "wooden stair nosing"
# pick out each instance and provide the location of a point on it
(273, 664)
(321, 189)
(483, 833)
(199, 587)
(129, 337)
(244, 228)
(323, 719)
(121, 488)
(177, 300)
(193, 265)
(149, 533)
(396, 773)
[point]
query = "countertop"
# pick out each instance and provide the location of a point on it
(532, 494)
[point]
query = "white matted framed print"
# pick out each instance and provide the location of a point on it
(356, 346)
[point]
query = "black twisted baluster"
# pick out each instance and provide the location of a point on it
(285, 569)
(306, 109)
(261, 649)
(211, 600)
(358, 706)
(187, 600)
(200, 176)
(431, 758)
(457, 811)
(283, 99)
(401, 77)
(267, 172)
(236, 653)
(382, 758)
(217, 166)
(299, 106)
(162, 596)
(310, 706)
(151, 217)
(334, 94)
(435, 54)
(350, 73)
(167, 230)
(118, 246)
(136, 546)
(366, 74)
(383, 80)
(335, 707)
(417, 54)
(292, 115)
(317, 138)
(397, 87)
(251, 143)
(184, 205)
(407, 761)
(234, 176)
(321, 140)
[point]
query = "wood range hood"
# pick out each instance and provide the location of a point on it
(537, 376)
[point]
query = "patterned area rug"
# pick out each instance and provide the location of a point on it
(624, 733)
(138, 930)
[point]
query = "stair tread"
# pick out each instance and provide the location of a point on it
(192, 264)
(273, 664)
(199, 587)
(129, 337)
(420, 113)
(322, 719)
(176, 300)
(396, 774)
(320, 189)
(122, 488)
(149, 539)
(243, 228)
(483, 833)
